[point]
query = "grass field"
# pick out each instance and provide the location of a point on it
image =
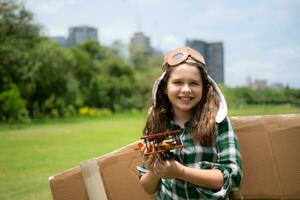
(30, 153)
(263, 110)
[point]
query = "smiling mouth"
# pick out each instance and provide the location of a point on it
(185, 99)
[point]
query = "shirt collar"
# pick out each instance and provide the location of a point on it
(174, 125)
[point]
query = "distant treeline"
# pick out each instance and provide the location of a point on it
(240, 96)
(39, 78)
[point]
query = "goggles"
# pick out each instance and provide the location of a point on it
(180, 55)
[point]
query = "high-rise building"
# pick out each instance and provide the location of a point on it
(79, 34)
(214, 57)
(140, 43)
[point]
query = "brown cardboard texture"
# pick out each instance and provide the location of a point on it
(271, 164)
(269, 148)
(119, 174)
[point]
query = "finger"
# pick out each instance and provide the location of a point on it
(143, 148)
(159, 156)
(146, 149)
(144, 157)
(161, 160)
(151, 159)
(155, 164)
(159, 165)
(156, 168)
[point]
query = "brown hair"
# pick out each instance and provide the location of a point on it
(203, 121)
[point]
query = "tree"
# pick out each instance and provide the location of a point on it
(119, 81)
(12, 107)
(18, 35)
(50, 78)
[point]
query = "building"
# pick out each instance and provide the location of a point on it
(260, 84)
(140, 43)
(79, 34)
(249, 82)
(278, 86)
(214, 57)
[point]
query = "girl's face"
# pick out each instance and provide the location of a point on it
(184, 88)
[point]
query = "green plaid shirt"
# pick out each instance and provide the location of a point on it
(224, 154)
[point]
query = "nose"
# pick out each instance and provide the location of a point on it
(186, 88)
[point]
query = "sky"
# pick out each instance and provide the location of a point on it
(261, 38)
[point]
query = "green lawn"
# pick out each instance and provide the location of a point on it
(30, 153)
(263, 110)
(28, 156)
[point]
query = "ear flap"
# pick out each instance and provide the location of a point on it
(156, 84)
(222, 112)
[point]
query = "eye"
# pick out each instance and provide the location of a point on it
(177, 82)
(195, 83)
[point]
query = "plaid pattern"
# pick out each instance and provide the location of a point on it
(224, 155)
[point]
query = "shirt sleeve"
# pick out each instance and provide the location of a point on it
(229, 160)
(229, 157)
(141, 170)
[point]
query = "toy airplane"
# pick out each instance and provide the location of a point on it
(161, 143)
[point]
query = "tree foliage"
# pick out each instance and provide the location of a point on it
(18, 36)
(240, 96)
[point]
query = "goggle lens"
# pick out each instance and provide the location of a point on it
(178, 56)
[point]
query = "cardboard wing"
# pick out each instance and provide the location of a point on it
(117, 171)
(271, 165)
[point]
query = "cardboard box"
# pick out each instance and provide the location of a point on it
(271, 165)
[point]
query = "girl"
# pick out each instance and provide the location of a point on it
(209, 165)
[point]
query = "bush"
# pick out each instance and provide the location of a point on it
(12, 106)
(94, 112)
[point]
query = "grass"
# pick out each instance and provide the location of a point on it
(264, 110)
(30, 153)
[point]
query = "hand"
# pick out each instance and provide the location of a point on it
(148, 160)
(168, 169)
